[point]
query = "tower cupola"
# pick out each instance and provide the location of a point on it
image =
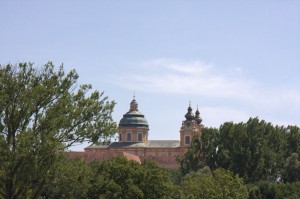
(197, 117)
(189, 116)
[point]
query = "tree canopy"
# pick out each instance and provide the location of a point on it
(255, 150)
(260, 153)
(42, 112)
(122, 178)
(220, 183)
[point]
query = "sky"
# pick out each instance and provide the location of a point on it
(232, 59)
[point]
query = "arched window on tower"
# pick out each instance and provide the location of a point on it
(187, 140)
(140, 137)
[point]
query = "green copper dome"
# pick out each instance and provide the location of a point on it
(133, 118)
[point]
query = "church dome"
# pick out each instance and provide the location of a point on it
(197, 116)
(189, 116)
(133, 118)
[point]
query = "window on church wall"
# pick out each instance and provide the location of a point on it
(120, 137)
(128, 136)
(187, 140)
(140, 137)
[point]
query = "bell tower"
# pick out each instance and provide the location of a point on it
(190, 127)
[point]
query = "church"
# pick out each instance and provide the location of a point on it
(133, 142)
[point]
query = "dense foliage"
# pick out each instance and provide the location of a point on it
(121, 178)
(220, 183)
(255, 150)
(193, 158)
(116, 178)
(263, 155)
(272, 190)
(41, 114)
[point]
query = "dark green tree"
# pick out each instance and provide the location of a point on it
(264, 190)
(291, 172)
(117, 178)
(175, 174)
(72, 179)
(288, 190)
(292, 134)
(275, 190)
(254, 150)
(43, 112)
(193, 159)
(158, 182)
(209, 144)
(122, 178)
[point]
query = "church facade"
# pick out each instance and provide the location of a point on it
(134, 143)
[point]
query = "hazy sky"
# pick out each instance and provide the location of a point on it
(234, 59)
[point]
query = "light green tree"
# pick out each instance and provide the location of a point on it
(220, 183)
(43, 112)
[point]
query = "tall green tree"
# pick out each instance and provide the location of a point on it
(209, 145)
(43, 112)
(292, 134)
(193, 159)
(201, 152)
(254, 149)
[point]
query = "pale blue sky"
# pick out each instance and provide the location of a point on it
(235, 59)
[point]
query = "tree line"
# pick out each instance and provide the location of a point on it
(263, 155)
(43, 111)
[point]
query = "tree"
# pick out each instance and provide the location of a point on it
(200, 185)
(231, 185)
(122, 178)
(254, 150)
(71, 180)
(292, 134)
(209, 144)
(220, 183)
(193, 159)
(158, 182)
(289, 190)
(275, 190)
(264, 190)
(41, 114)
(291, 171)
